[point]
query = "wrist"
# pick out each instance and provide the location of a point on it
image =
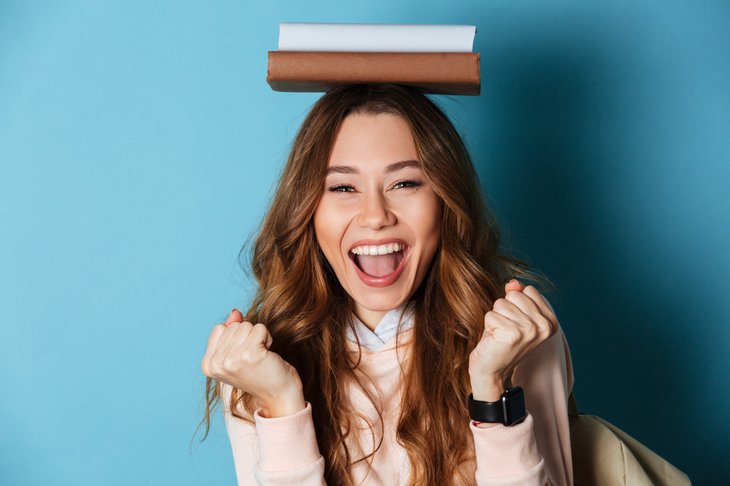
(490, 388)
(281, 404)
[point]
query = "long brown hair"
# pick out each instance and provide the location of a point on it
(307, 312)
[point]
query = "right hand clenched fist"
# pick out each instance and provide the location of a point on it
(238, 354)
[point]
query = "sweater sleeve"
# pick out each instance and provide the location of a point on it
(274, 451)
(536, 451)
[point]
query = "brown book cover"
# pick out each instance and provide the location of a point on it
(433, 72)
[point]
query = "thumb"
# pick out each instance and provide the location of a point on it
(514, 284)
(261, 336)
(234, 316)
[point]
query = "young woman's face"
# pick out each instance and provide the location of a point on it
(378, 221)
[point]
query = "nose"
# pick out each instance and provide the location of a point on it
(374, 212)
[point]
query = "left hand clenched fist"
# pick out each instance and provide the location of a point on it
(515, 326)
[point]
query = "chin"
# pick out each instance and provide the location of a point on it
(383, 298)
(383, 304)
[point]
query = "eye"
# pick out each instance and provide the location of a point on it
(406, 184)
(341, 188)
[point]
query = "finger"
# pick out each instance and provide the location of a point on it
(214, 337)
(542, 324)
(233, 316)
(213, 340)
(494, 321)
(511, 311)
(513, 284)
(224, 342)
(545, 308)
(239, 337)
(525, 304)
(502, 329)
(260, 337)
(534, 325)
(539, 299)
(269, 340)
(252, 349)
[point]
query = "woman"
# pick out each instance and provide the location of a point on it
(383, 301)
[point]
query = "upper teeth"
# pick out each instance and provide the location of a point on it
(377, 249)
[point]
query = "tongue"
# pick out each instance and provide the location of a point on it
(377, 265)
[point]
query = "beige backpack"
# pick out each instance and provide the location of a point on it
(603, 454)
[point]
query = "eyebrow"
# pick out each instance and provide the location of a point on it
(394, 167)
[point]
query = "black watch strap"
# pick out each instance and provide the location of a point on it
(508, 410)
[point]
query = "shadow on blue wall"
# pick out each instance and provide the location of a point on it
(553, 128)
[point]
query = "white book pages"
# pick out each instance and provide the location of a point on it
(305, 36)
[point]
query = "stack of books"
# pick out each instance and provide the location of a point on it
(317, 57)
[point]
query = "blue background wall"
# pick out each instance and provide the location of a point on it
(138, 147)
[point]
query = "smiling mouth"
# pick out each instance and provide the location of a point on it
(379, 261)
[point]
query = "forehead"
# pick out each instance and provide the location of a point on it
(367, 139)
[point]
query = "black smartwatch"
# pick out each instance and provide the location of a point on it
(508, 410)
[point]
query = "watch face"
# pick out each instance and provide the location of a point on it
(513, 401)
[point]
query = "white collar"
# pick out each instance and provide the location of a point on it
(386, 329)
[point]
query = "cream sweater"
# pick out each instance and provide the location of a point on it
(284, 451)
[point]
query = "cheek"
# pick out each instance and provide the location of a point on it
(327, 231)
(428, 219)
(429, 229)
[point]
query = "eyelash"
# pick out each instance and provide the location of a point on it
(406, 184)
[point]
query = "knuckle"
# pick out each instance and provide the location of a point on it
(543, 323)
(250, 356)
(550, 322)
(205, 368)
(551, 325)
(545, 332)
(513, 294)
(531, 332)
(513, 335)
(491, 318)
(215, 369)
(229, 364)
(533, 293)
